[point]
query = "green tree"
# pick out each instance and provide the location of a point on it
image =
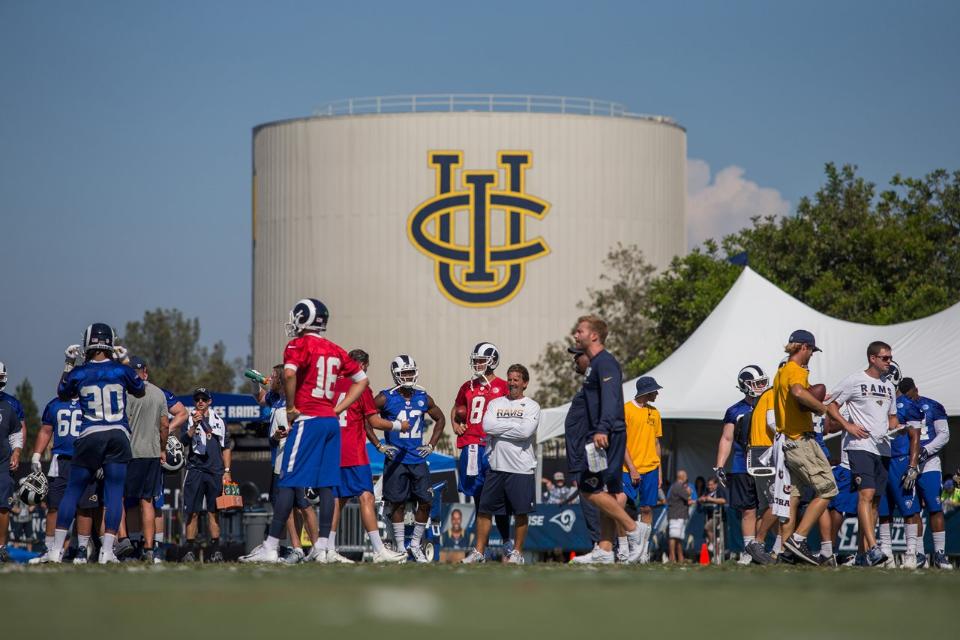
(31, 414)
(170, 344)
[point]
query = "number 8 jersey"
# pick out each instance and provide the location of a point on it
(101, 386)
(318, 363)
(475, 394)
(398, 407)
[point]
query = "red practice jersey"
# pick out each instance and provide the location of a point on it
(353, 436)
(475, 394)
(318, 363)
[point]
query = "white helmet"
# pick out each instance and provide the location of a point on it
(894, 373)
(33, 488)
(3, 375)
(175, 458)
(483, 357)
(312, 495)
(752, 381)
(309, 314)
(404, 370)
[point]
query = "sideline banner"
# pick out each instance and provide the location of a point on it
(551, 527)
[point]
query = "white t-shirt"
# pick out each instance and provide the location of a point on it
(870, 402)
(511, 428)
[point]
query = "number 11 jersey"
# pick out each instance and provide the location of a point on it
(318, 363)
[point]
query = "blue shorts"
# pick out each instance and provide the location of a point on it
(91, 498)
(354, 481)
(508, 494)
(6, 488)
(403, 482)
(929, 487)
(895, 498)
(611, 478)
(868, 470)
(100, 448)
(143, 474)
(846, 499)
(644, 494)
(198, 485)
(311, 457)
(472, 485)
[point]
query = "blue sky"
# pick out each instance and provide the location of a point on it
(125, 127)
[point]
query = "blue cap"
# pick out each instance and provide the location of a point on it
(802, 336)
(646, 385)
(137, 363)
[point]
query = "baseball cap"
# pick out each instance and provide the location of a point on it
(201, 392)
(138, 363)
(647, 384)
(802, 336)
(558, 475)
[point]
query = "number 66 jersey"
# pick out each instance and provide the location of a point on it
(101, 386)
(318, 363)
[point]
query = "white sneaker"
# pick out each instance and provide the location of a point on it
(294, 557)
(634, 548)
(621, 555)
(261, 554)
(418, 555)
(317, 555)
(44, 559)
(745, 559)
(387, 556)
(645, 557)
(891, 561)
(909, 561)
(107, 557)
(335, 558)
(515, 557)
(474, 557)
(597, 556)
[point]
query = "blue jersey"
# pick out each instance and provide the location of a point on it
(170, 398)
(739, 462)
(9, 425)
(65, 417)
(102, 386)
(398, 407)
(932, 411)
(13, 402)
(908, 412)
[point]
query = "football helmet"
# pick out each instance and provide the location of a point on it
(483, 357)
(175, 457)
(404, 370)
(312, 495)
(99, 337)
(894, 374)
(33, 488)
(752, 381)
(3, 375)
(309, 314)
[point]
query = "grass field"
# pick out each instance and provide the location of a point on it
(544, 601)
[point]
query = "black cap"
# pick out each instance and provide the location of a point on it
(907, 385)
(137, 363)
(802, 336)
(201, 392)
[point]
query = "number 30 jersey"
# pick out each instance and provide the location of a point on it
(65, 418)
(318, 363)
(475, 394)
(101, 386)
(411, 409)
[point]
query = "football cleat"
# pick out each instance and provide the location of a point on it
(385, 556)
(80, 558)
(597, 556)
(752, 381)
(309, 314)
(99, 337)
(744, 559)
(908, 561)
(891, 561)
(875, 556)
(189, 557)
(484, 357)
(4, 554)
(474, 557)
(515, 557)
(107, 557)
(216, 557)
(123, 549)
(260, 554)
(418, 555)
(317, 555)
(404, 370)
(941, 561)
(921, 560)
(620, 555)
(41, 559)
(335, 558)
(294, 557)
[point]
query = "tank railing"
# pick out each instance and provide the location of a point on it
(479, 102)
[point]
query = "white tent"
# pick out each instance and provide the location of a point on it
(751, 325)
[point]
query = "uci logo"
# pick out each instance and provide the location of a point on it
(478, 273)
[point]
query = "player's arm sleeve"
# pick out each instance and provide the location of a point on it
(16, 439)
(611, 406)
(292, 356)
(942, 435)
(67, 388)
(135, 385)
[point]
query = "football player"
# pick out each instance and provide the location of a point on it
(763, 427)
(102, 384)
(752, 382)
(356, 479)
(466, 416)
(61, 422)
(11, 442)
(312, 366)
(934, 435)
(17, 409)
(406, 476)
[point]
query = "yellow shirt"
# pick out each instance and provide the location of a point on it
(792, 421)
(761, 435)
(643, 429)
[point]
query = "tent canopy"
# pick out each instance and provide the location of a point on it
(751, 325)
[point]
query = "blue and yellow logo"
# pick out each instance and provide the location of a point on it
(478, 273)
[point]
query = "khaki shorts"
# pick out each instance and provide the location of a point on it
(809, 467)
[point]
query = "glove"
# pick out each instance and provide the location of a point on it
(99, 473)
(119, 353)
(35, 464)
(389, 451)
(721, 476)
(923, 457)
(910, 478)
(71, 353)
(424, 450)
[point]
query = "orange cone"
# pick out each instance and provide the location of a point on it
(704, 554)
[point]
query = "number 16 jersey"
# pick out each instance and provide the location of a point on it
(318, 363)
(475, 395)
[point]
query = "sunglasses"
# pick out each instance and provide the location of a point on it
(884, 358)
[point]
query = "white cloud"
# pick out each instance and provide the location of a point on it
(715, 209)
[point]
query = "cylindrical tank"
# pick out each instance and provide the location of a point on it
(428, 224)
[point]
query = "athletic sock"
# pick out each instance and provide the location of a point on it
(59, 537)
(332, 540)
(778, 545)
(82, 541)
(939, 541)
(886, 545)
(826, 549)
(418, 530)
(108, 541)
(48, 541)
(375, 541)
(747, 540)
(910, 531)
(623, 544)
(271, 543)
(399, 533)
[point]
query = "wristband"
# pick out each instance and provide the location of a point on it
(226, 469)
(396, 426)
(35, 458)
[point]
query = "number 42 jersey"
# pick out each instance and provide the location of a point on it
(475, 394)
(318, 363)
(102, 387)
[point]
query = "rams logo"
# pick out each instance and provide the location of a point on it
(478, 273)
(565, 520)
